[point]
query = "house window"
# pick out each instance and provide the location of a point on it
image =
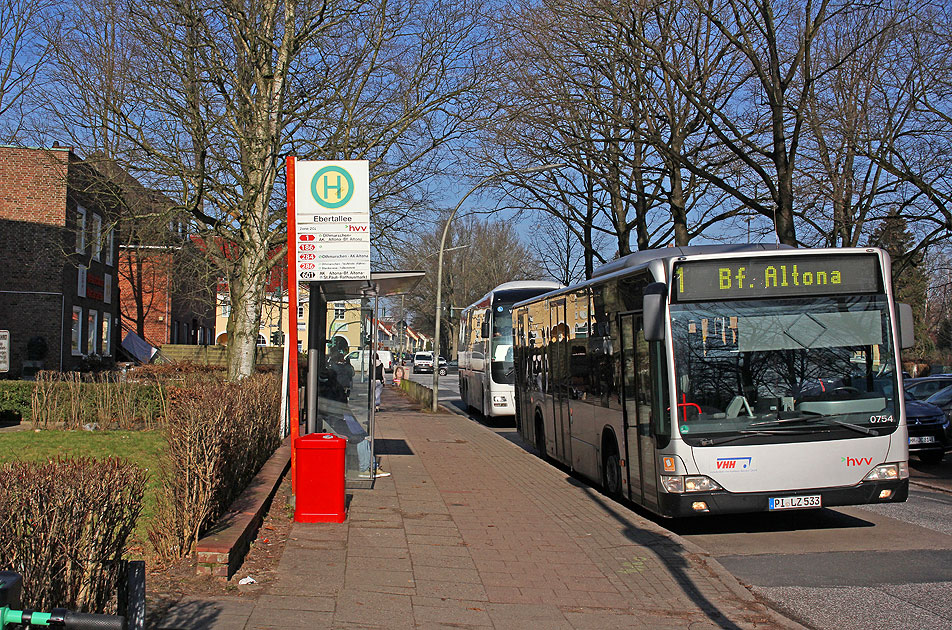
(110, 244)
(97, 236)
(106, 334)
(340, 309)
(92, 331)
(262, 341)
(107, 288)
(300, 346)
(75, 344)
(80, 230)
(225, 309)
(300, 312)
(81, 281)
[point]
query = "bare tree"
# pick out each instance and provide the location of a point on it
(584, 85)
(910, 135)
(479, 255)
(558, 250)
(762, 126)
(566, 97)
(23, 53)
(202, 100)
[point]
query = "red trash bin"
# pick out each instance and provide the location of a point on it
(320, 482)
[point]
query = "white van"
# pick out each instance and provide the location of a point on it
(362, 360)
(387, 357)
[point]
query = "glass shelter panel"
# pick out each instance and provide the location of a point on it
(346, 386)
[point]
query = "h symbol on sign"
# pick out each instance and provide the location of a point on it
(328, 186)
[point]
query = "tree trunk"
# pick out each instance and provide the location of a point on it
(783, 214)
(246, 290)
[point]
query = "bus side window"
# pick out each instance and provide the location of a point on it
(657, 384)
(602, 364)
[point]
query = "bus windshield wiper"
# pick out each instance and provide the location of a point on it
(809, 417)
(743, 433)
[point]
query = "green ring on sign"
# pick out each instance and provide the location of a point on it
(327, 170)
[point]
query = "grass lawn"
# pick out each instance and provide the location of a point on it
(144, 448)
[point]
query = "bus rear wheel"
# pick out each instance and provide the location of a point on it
(611, 473)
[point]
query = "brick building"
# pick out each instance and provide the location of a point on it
(58, 292)
(159, 300)
(166, 288)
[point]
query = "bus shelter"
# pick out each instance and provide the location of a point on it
(336, 384)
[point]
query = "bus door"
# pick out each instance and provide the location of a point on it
(640, 444)
(559, 382)
(522, 349)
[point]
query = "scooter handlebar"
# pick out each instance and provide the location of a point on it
(86, 621)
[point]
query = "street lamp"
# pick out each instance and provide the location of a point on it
(439, 265)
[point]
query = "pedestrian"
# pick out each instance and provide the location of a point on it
(344, 371)
(378, 381)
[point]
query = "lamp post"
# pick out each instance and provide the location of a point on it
(439, 266)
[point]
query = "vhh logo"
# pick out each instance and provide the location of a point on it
(857, 461)
(732, 463)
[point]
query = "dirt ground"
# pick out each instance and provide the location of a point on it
(168, 583)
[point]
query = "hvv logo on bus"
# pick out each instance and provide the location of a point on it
(733, 463)
(857, 461)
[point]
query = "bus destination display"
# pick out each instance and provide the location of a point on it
(787, 276)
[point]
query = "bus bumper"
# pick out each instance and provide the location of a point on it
(676, 505)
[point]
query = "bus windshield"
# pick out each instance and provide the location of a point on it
(502, 366)
(784, 369)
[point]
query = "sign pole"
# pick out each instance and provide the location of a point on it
(294, 410)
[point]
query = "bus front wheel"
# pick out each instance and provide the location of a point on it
(611, 473)
(540, 436)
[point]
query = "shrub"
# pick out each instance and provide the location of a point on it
(15, 400)
(64, 525)
(72, 400)
(219, 435)
(182, 373)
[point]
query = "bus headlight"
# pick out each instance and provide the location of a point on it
(700, 483)
(884, 472)
(692, 483)
(499, 401)
(673, 484)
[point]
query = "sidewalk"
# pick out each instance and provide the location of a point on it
(472, 531)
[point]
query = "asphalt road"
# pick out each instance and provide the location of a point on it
(882, 566)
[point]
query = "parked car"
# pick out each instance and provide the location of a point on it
(930, 429)
(423, 362)
(924, 386)
(444, 367)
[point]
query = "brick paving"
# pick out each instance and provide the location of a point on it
(472, 531)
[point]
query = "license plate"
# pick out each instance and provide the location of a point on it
(794, 503)
(925, 439)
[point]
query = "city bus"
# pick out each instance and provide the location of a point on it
(722, 378)
(485, 347)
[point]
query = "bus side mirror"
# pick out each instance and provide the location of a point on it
(484, 330)
(653, 307)
(907, 337)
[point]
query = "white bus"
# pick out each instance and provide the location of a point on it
(719, 379)
(485, 347)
